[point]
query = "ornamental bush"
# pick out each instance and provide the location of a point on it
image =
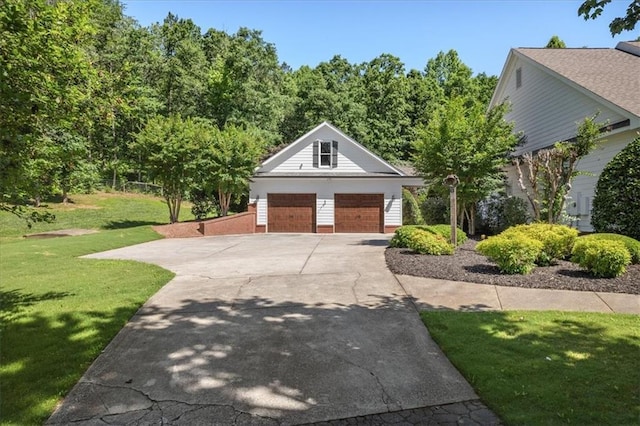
(602, 258)
(425, 242)
(411, 213)
(616, 205)
(403, 234)
(631, 244)
(557, 240)
(513, 253)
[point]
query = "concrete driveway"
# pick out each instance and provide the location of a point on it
(266, 328)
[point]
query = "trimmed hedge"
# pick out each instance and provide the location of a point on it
(403, 234)
(557, 240)
(425, 242)
(602, 258)
(513, 253)
(631, 244)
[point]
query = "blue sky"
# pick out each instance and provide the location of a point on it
(306, 32)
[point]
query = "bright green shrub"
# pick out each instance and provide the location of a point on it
(602, 258)
(445, 231)
(425, 242)
(402, 234)
(557, 240)
(513, 253)
(631, 244)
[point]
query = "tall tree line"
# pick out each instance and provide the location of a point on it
(80, 80)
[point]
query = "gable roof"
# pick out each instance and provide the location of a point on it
(283, 154)
(613, 75)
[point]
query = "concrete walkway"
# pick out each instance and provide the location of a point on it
(292, 329)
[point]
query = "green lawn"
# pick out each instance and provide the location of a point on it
(545, 368)
(96, 211)
(57, 312)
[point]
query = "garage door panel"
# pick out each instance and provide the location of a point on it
(359, 212)
(291, 212)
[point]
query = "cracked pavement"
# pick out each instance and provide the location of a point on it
(270, 329)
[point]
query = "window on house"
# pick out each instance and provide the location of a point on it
(518, 78)
(325, 154)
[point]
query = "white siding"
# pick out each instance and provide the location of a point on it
(325, 190)
(546, 109)
(583, 186)
(351, 157)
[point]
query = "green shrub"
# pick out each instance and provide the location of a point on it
(631, 244)
(435, 209)
(411, 214)
(425, 242)
(513, 253)
(445, 231)
(616, 204)
(602, 258)
(557, 240)
(402, 234)
(498, 212)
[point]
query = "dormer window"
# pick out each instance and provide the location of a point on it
(325, 154)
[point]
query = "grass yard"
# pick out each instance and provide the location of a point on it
(544, 368)
(57, 312)
(100, 210)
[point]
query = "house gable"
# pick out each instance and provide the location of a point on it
(348, 157)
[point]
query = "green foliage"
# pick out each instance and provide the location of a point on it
(601, 257)
(425, 242)
(547, 367)
(499, 212)
(203, 205)
(172, 149)
(514, 254)
(551, 171)
(631, 244)
(403, 234)
(469, 142)
(591, 9)
(555, 43)
(557, 240)
(434, 209)
(411, 214)
(228, 162)
(616, 205)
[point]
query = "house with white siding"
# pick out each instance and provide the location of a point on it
(326, 182)
(551, 91)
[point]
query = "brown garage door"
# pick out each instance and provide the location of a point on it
(291, 212)
(359, 212)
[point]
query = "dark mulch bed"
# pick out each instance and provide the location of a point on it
(468, 265)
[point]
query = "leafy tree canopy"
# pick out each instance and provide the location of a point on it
(591, 9)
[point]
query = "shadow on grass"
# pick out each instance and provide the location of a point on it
(123, 224)
(13, 302)
(546, 368)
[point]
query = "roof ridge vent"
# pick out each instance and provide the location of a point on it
(629, 47)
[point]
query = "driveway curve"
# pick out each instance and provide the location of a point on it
(266, 329)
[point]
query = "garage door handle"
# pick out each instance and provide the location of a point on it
(290, 216)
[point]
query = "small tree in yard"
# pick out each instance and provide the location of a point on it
(470, 143)
(171, 149)
(228, 163)
(549, 172)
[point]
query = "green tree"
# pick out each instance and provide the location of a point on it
(555, 43)
(469, 143)
(549, 172)
(228, 162)
(171, 148)
(46, 80)
(591, 9)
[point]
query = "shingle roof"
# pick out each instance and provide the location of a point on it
(613, 74)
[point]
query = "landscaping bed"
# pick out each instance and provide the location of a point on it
(468, 265)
